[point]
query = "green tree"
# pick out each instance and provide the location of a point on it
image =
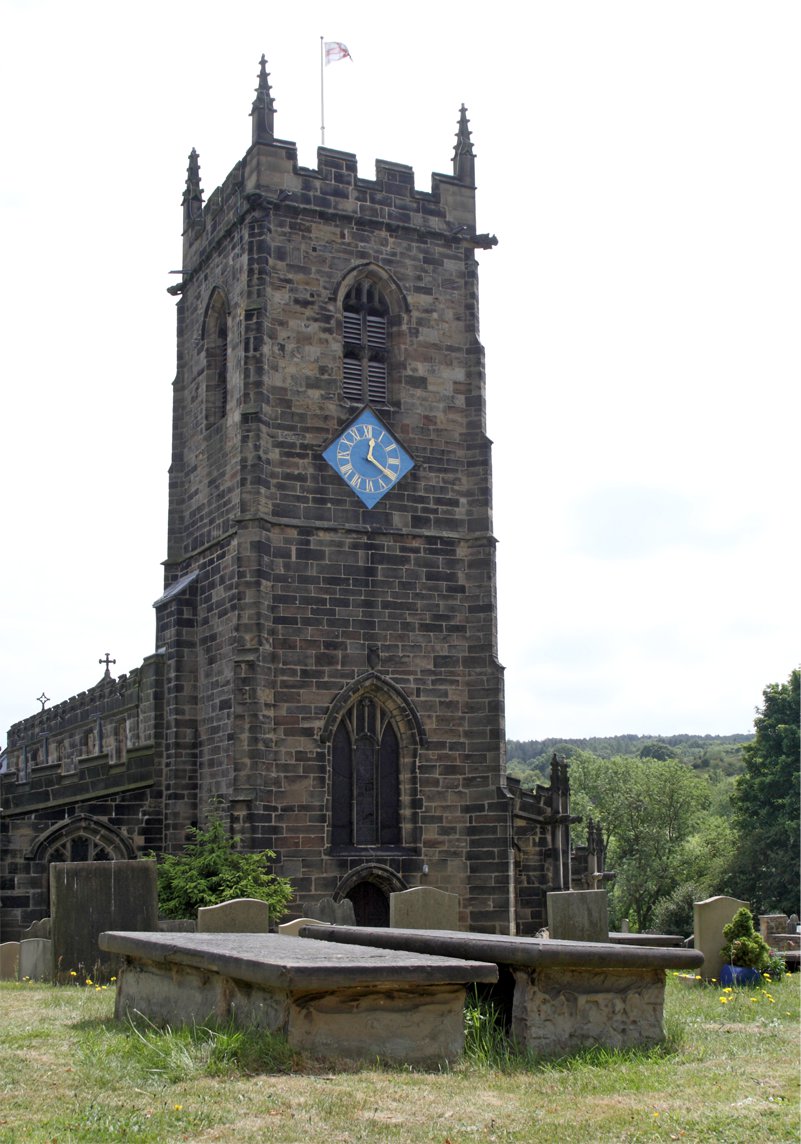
(706, 855)
(766, 804)
(210, 870)
(647, 809)
(658, 751)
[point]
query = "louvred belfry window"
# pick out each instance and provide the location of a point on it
(216, 349)
(365, 789)
(365, 330)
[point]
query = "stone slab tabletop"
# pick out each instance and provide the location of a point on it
(292, 963)
(659, 939)
(506, 950)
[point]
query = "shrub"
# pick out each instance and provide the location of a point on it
(675, 913)
(744, 946)
(211, 870)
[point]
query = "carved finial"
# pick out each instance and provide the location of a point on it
(263, 109)
(464, 161)
(193, 194)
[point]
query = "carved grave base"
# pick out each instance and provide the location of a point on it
(558, 1010)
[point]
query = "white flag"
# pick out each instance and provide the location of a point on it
(335, 51)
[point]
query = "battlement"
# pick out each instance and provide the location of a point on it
(109, 719)
(269, 176)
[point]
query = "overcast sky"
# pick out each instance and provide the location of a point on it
(639, 163)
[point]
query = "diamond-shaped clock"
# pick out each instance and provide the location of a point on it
(367, 457)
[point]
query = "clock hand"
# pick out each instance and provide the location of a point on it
(378, 464)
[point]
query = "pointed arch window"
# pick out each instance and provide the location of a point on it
(365, 356)
(216, 349)
(365, 788)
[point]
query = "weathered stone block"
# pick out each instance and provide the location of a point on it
(578, 915)
(559, 1010)
(88, 898)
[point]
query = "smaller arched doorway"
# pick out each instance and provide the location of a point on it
(368, 888)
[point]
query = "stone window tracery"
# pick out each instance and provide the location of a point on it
(365, 786)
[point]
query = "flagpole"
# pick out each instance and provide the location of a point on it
(322, 94)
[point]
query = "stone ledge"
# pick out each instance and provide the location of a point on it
(508, 950)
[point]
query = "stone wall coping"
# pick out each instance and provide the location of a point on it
(504, 949)
(292, 963)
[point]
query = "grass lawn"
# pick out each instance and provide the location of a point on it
(728, 1072)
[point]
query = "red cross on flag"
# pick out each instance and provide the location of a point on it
(335, 51)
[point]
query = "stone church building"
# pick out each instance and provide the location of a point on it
(326, 666)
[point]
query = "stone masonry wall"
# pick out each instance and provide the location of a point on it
(84, 779)
(296, 581)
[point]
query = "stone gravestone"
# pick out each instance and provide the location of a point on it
(424, 907)
(709, 918)
(293, 928)
(9, 960)
(38, 929)
(36, 959)
(88, 898)
(334, 913)
(240, 915)
(578, 915)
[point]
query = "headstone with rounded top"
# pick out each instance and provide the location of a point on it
(9, 960)
(240, 915)
(424, 908)
(710, 916)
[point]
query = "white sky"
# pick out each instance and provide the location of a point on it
(639, 163)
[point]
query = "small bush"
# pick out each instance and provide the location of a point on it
(744, 946)
(675, 913)
(211, 870)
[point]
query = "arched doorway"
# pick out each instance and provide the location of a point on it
(370, 904)
(369, 887)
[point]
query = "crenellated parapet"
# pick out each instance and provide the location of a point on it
(111, 721)
(270, 177)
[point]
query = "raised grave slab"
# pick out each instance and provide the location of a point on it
(343, 1001)
(567, 994)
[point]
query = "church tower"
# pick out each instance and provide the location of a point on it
(329, 615)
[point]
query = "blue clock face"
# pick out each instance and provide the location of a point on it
(368, 458)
